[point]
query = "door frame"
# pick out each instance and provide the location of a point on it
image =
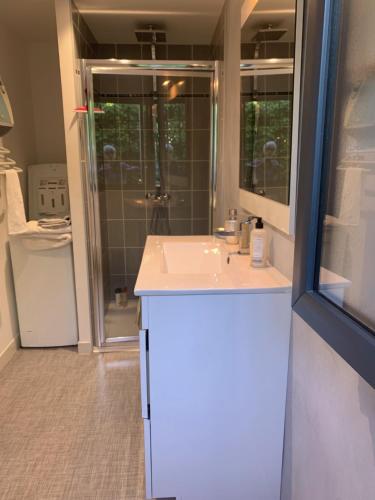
(90, 67)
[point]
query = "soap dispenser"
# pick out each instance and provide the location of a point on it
(258, 245)
(232, 225)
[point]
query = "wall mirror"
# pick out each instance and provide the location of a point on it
(271, 35)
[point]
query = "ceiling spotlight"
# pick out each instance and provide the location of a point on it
(166, 83)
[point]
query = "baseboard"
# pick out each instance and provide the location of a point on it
(9, 352)
(84, 347)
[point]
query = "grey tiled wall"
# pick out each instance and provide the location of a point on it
(268, 49)
(143, 51)
(85, 40)
(128, 172)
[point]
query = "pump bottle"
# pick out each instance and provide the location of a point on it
(258, 245)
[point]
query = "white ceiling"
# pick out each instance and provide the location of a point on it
(186, 21)
(278, 13)
(32, 20)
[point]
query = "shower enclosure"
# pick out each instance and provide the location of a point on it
(151, 141)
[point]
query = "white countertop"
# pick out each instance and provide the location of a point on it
(204, 269)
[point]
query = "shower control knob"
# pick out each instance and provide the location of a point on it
(165, 197)
(158, 196)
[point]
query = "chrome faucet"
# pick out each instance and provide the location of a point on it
(243, 234)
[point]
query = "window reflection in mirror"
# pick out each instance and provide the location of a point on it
(267, 52)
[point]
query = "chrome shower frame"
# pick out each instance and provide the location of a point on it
(91, 193)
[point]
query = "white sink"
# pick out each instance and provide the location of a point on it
(193, 257)
(175, 265)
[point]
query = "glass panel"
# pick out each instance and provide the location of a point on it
(266, 128)
(347, 273)
(153, 160)
(267, 51)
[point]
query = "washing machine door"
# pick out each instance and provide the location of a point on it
(45, 292)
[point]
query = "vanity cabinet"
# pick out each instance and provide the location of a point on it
(213, 376)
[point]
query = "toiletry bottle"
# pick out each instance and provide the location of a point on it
(245, 227)
(232, 225)
(258, 245)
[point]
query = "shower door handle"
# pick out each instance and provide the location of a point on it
(145, 391)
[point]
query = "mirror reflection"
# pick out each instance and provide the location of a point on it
(267, 79)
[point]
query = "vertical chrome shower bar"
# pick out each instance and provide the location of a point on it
(93, 215)
(155, 120)
(214, 141)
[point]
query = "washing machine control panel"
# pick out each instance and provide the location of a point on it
(48, 191)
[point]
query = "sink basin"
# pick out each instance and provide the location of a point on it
(186, 265)
(192, 258)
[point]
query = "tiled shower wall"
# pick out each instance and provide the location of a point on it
(85, 40)
(89, 48)
(126, 165)
(163, 51)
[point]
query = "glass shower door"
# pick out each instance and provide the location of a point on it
(153, 154)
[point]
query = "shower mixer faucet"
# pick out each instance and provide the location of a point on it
(158, 196)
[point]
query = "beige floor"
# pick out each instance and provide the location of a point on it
(70, 427)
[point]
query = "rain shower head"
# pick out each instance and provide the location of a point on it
(151, 34)
(269, 34)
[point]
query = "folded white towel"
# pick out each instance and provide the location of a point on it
(34, 230)
(38, 241)
(54, 223)
(15, 207)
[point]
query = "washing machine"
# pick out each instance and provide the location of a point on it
(44, 284)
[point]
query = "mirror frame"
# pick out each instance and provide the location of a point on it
(277, 214)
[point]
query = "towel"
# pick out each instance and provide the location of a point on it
(39, 241)
(32, 228)
(35, 237)
(56, 224)
(15, 206)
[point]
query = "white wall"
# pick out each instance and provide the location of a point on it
(281, 250)
(14, 72)
(47, 102)
(330, 424)
(228, 172)
(71, 92)
(8, 312)
(330, 421)
(31, 74)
